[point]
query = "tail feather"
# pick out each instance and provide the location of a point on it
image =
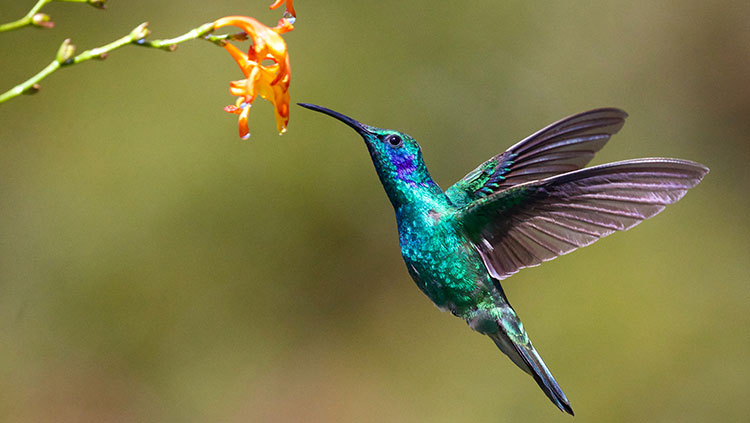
(526, 357)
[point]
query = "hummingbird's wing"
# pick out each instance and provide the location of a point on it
(564, 146)
(540, 220)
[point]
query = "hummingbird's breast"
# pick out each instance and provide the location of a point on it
(442, 262)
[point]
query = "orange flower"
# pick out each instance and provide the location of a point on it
(270, 81)
(289, 7)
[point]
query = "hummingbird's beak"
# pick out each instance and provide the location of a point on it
(359, 127)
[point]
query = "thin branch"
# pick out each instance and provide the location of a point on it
(42, 20)
(203, 31)
(66, 57)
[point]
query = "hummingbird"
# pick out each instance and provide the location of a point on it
(530, 204)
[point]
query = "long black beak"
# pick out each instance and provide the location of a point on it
(359, 127)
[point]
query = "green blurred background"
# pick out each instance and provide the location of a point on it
(154, 267)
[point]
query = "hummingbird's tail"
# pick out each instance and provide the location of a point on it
(525, 356)
(505, 328)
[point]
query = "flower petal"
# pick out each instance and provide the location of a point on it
(270, 81)
(289, 6)
(244, 129)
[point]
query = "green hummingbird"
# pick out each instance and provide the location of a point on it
(530, 204)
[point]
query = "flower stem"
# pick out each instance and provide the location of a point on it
(137, 37)
(32, 84)
(170, 44)
(33, 17)
(26, 20)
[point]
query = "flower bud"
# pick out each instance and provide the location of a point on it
(42, 20)
(140, 32)
(66, 51)
(33, 89)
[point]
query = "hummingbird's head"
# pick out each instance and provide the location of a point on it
(396, 155)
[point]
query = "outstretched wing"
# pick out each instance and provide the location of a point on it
(540, 220)
(564, 146)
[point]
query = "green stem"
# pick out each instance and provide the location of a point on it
(171, 43)
(31, 85)
(137, 37)
(42, 20)
(26, 20)
(38, 6)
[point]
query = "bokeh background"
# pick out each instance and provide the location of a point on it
(154, 267)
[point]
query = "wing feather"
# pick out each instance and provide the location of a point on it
(564, 146)
(540, 220)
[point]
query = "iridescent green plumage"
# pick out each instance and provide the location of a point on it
(525, 206)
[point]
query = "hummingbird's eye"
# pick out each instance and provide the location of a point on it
(394, 140)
